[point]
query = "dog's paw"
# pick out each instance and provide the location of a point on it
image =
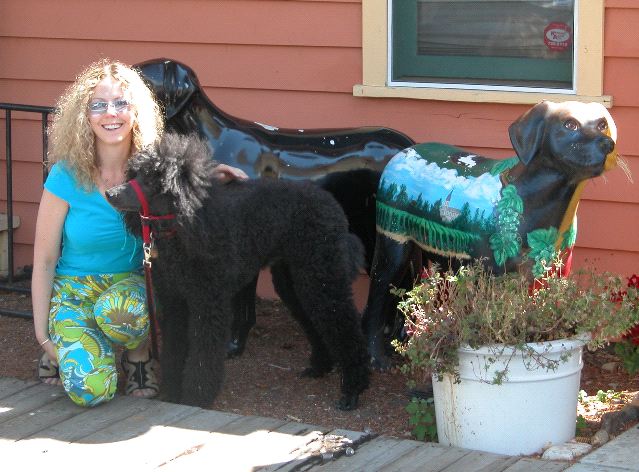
(235, 348)
(380, 363)
(348, 402)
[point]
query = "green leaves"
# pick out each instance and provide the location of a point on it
(505, 242)
(422, 418)
(629, 354)
(542, 249)
(504, 165)
(581, 426)
(510, 199)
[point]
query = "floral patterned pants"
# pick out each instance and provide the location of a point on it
(88, 314)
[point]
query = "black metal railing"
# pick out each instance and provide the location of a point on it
(44, 112)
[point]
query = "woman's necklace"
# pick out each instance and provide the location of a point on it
(112, 179)
(112, 182)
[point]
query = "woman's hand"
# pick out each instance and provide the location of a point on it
(225, 173)
(51, 351)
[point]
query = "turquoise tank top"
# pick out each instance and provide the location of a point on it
(94, 237)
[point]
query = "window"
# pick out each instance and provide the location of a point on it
(508, 51)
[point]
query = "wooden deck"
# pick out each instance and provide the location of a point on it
(39, 426)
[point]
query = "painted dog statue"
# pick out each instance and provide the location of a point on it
(450, 205)
(346, 162)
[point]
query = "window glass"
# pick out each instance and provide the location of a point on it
(483, 43)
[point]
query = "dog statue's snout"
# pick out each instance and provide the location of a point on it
(606, 144)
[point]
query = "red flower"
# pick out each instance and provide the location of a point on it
(618, 297)
(633, 335)
(425, 274)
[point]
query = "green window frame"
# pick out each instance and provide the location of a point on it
(587, 72)
(446, 57)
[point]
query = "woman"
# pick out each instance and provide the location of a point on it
(87, 286)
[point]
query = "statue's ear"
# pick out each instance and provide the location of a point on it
(172, 82)
(180, 83)
(527, 132)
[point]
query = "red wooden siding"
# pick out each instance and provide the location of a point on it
(292, 63)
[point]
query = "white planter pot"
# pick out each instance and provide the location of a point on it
(531, 409)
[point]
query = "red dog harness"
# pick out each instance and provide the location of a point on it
(147, 245)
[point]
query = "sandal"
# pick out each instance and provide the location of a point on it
(48, 370)
(140, 375)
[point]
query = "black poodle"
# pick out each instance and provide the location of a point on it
(220, 238)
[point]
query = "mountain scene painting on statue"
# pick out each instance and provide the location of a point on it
(449, 200)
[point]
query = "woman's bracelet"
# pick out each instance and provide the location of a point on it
(45, 341)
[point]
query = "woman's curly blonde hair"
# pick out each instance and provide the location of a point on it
(71, 138)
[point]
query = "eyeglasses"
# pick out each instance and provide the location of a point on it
(100, 107)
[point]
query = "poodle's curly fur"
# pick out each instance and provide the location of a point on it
(223, 235)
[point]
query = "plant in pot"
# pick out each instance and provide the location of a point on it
(504, 354)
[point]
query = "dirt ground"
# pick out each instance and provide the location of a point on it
(264, 381)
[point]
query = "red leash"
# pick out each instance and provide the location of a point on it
(147, 246)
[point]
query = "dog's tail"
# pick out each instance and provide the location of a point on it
(353, 249)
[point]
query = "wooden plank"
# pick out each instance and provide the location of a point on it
(317, 440)
(207, 420)
(228, 451)
(310, 458)
(477, 461)
(625, 119)
(34, 421)
(165, 439)
(192, 433)
(54, 441)
(424, 452)
(289, 448)
(159, 413)
(293, 427)
(428, 458)
(614, 186)
(618, 262)
(307, 449)
(281, 67)
(371, 456)
(616, 74)
(221, 452)
(184, 447)
(95, 419)
(527, 464)
(272, 446)
(620, 24)
(132, 442)
(250, 424)
(500, 464)
(226, 22)
(30, 398)
(9, 386)
(621, 220)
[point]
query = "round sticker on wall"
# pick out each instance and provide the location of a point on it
(558, 36)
